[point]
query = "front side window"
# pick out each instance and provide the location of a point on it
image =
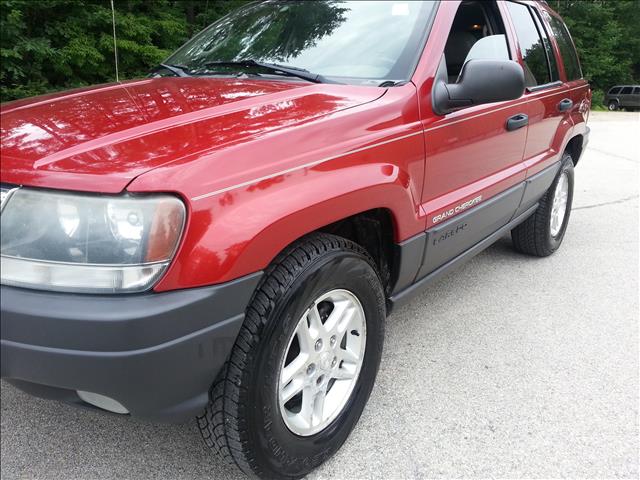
(534, 56)
(365, 42)
(567, 50)
(477, 33)
(615, 90)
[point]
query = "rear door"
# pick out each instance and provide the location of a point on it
(549, 100)
(570, 67)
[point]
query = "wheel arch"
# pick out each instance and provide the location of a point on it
(575, 147)
(373, 231)
(234, 236)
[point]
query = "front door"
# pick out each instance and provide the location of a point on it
(474, 159)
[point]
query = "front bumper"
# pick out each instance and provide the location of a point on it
(155, 353)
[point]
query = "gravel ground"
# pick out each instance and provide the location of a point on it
(510, 367)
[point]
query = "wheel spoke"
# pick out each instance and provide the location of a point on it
(318, 407)
(306, 337)
(291, 390)
(340, 317)
(347, 320)
(308, 403)
(295, 368)
(315, 322)
(345, 372)
(348, 356)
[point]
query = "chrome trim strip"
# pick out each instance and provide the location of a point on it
(357, 150)
(300, 167)
(74, 264)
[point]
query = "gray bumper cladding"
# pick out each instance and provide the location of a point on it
(155, 353)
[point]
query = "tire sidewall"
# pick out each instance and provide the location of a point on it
(566, 167)
(281, 450)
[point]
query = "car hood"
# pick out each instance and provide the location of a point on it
(101, 138)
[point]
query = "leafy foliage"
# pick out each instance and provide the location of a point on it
(606, 36)
(49, 45)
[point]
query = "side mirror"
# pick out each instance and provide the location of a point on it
(481, 81)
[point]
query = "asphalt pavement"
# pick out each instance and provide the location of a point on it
(510, 367)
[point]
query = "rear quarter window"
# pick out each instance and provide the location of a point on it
(567, 50)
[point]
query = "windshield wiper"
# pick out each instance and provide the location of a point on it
(274, 68)
(178, 70)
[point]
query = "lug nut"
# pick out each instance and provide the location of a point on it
(311, 369)
(320, 380)
(332, 341)
(334, 362)
(318, 345)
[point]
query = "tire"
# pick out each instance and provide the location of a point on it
(613, 106)
(244, 421)
(537, 235)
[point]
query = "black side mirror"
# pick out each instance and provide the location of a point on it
(481, 81)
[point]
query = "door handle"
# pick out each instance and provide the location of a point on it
(565, 105)
(517, 121)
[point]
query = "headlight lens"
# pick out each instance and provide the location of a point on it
(88, 243)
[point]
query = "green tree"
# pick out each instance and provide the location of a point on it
(606, 36)
(49, 45)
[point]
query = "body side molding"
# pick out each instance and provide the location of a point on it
(452, 237)
(407, 294)
(536, 185)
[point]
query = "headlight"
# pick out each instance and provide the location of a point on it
(88, 243)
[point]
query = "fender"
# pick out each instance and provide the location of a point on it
(236, 234)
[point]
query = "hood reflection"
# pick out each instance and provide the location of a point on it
(128, 129)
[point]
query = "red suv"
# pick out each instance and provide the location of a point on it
(225, 238)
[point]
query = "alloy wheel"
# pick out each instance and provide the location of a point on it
(559, 205)
(322, 362)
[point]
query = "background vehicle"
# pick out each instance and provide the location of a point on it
(623, 96)
(226, 240)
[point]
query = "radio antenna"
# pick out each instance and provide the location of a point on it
(115, 44)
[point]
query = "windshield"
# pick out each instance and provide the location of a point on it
(350, 41)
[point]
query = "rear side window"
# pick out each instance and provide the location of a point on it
(536, 63)
(615, 90)
(567, 50)
(626, 91)
(551, 57)
(636, 91)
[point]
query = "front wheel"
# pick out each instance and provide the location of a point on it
(542, 233)
(613, 106)
(304, 363)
